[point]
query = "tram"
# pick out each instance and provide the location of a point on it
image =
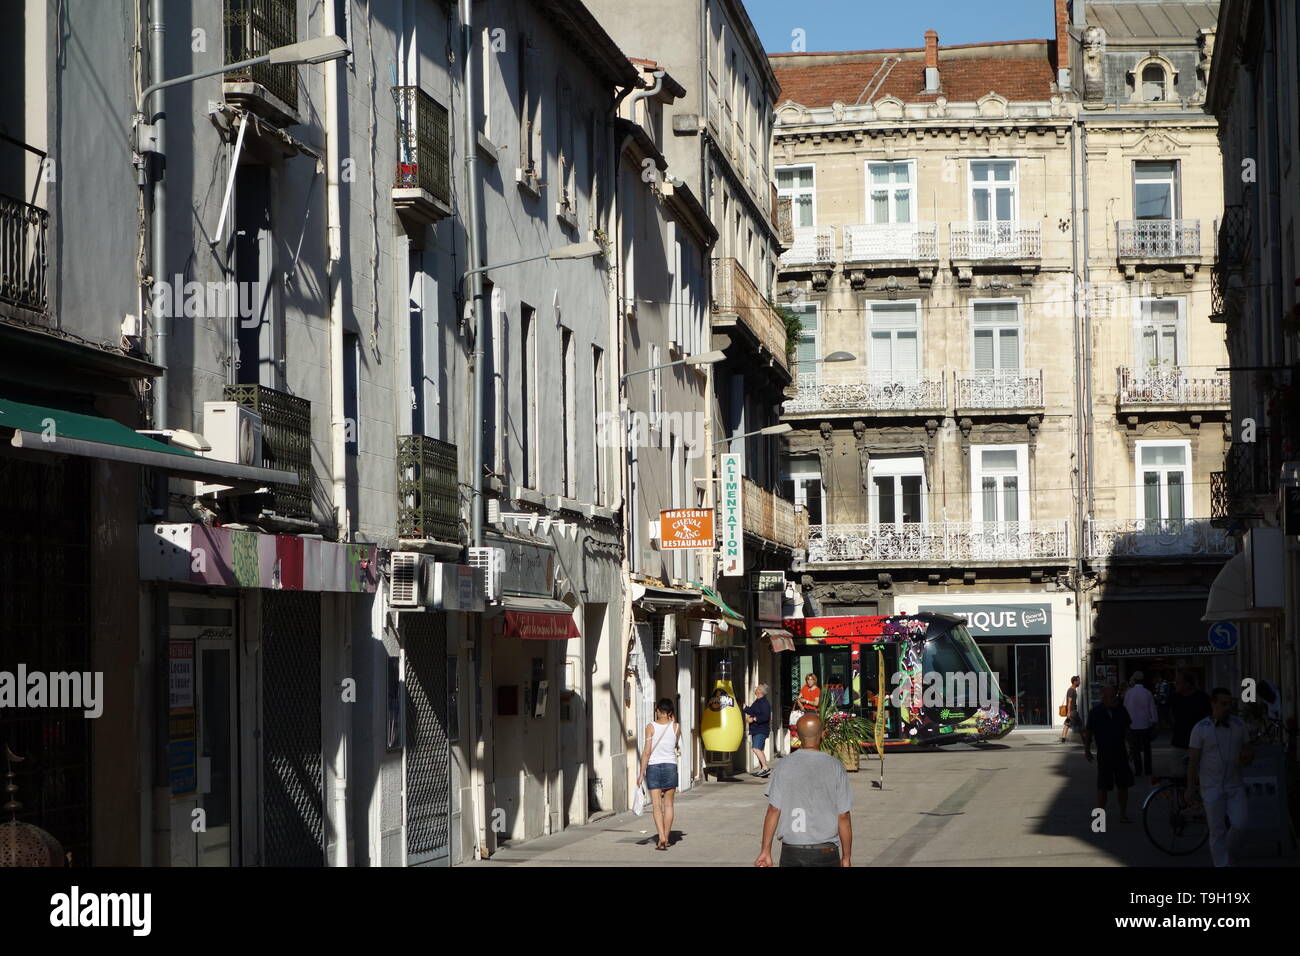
(937, 685)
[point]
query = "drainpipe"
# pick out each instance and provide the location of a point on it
(158, 197)
(338, 452)
(1086, 412)
(469, 85)
(1080, 331)
(643, 93)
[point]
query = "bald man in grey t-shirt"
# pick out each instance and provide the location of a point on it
(809, 803)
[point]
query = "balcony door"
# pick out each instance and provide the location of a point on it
(997, 339)
(895, 341)
(1155, 190)
(1160, 336)
(994, 207)
(798, 183)
(1164, 485)
(891, 193)
(897, 491)
(1000, 491)
(809, 348)
(804, 488)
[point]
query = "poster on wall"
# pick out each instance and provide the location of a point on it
(182, 768)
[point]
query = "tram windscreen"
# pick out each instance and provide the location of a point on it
(961, 637)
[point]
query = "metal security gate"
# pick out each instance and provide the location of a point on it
(292, 802)
(428, 747)
(45, 625)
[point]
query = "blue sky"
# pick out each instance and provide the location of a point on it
(883, 24)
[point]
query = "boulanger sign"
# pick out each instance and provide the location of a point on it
(1000, 620)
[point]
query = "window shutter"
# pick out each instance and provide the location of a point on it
(905, 352)
(983, 349)
(1008, 348)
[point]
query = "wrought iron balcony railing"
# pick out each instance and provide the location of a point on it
(423, 143)
(23, 255)
(1172, 385)
(981, 241)
(1247, 475)
(939, 542)
(863, 390)
(772, 518)
(811, 248)
(891, 242)
(1232, 238)
(286, 443)
(734, 293)
(1134, 537)
(1158, 238)
(428, 501)
(254, 28)
(1000, 388)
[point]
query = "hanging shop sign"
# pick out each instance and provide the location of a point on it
(686, 528)
(987, 621)
(733, 533)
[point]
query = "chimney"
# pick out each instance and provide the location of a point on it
(931, 61)
(1062, 45)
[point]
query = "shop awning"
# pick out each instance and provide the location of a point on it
(1229, 598)
(779, 639)
(538, 619)
(1151, 628)
(848, 629)
(665, 598)
(39, 428)
(712, 598)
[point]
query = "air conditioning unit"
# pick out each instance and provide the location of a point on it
(410, 578)
(235, 434)
(492, 561)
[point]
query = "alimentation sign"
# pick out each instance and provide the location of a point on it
(1009, 621)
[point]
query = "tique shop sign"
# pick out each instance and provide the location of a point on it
(1000, 620)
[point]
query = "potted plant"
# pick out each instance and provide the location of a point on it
(843, 734)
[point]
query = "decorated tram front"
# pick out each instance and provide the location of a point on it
(937, 686)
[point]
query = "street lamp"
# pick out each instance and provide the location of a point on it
(833, 357)
(780, 429)
(574, 250)
(149, 139)
(705, 358)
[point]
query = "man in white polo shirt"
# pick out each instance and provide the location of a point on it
(1218, 750)
(1143, 718)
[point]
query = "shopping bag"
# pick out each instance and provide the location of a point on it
(640, 799)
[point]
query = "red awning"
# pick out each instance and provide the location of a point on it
(540, 626)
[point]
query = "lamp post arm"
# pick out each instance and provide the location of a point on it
(502, 265)
(191, 77)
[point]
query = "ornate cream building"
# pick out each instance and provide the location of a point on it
(1007, 402)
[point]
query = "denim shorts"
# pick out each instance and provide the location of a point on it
(759, 740)
(661, 776)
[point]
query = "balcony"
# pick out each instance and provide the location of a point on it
(861, 390)
(422, 188)
(428, 483)
(999, 389)
(1158, 242)
(253, 28)
(1248, 478)
(737, 303)
(994, 246)
(1232, 240)
(812, 252)
(772, 518)
(941, 542)
(1135, 538)
(24, 231)
(891, 248)
(1171, 387)
(286, 444)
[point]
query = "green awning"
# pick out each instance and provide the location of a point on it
(62, 432)
(711, 596)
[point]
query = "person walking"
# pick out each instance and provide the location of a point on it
(809, 803)
(1218, 749)
(659, 767)
(759, 717)
(1162, 693)
(1188, 707)
(1107, 724)
(1071, 705)
(1143, 719)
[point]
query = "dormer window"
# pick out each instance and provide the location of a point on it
(1153, 83)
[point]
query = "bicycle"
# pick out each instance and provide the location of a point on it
(1171, 823)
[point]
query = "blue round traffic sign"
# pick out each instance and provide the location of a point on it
(1224, 635)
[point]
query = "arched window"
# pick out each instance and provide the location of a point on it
(1153, 83)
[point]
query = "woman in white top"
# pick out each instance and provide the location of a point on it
(659, 767)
